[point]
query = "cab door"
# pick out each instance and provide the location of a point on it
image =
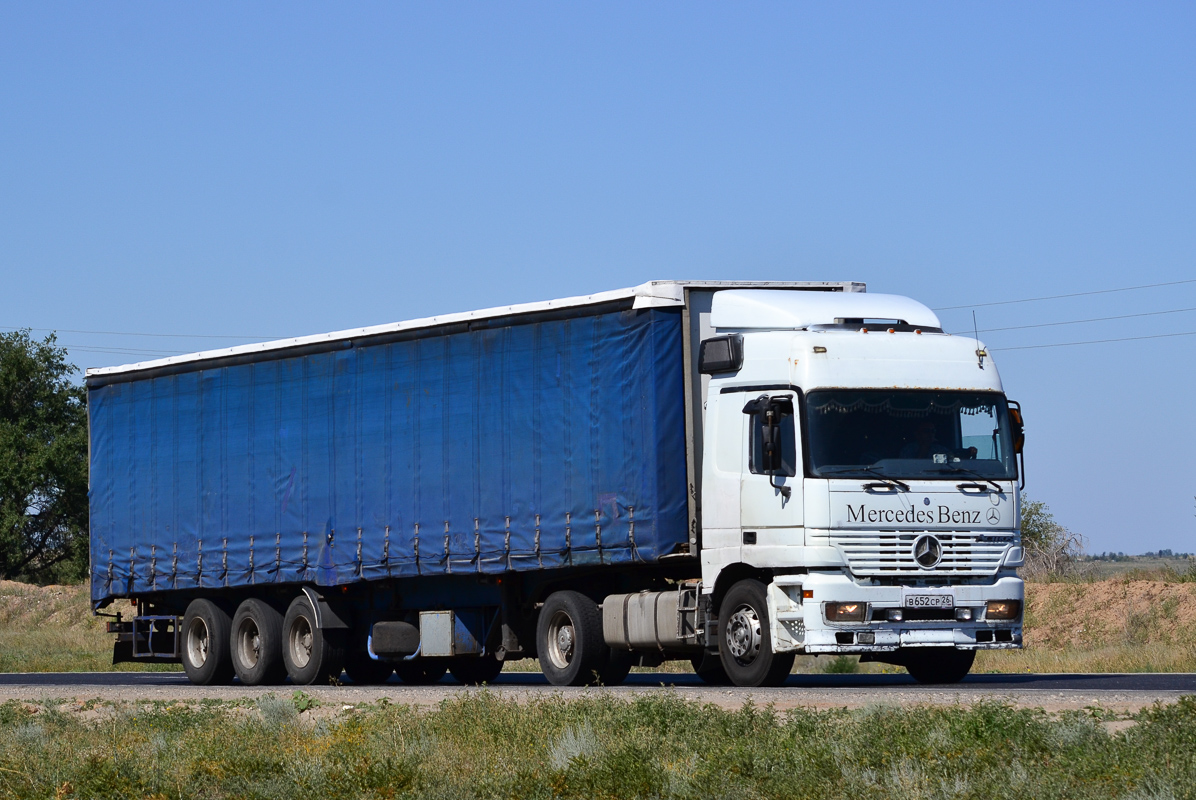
(770, 497)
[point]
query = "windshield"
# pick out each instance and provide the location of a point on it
(909, 434)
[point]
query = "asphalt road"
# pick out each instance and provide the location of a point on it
(1125, 692)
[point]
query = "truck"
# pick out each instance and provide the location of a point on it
(726, 472)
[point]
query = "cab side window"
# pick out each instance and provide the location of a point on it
(759, 433)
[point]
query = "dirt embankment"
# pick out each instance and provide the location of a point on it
(1065, 616)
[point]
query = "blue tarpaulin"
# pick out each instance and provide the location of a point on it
(533, 445)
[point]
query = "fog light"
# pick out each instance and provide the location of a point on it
(1003, 609)
(866, 638)
(846, 612)
(894, 615)
(963, 614)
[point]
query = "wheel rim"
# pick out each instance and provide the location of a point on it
(743, 634)
(197, 642)
(299, 641)
(249, 643)
(562, 640)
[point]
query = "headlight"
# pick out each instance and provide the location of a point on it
(1003, 609)
(846, 612)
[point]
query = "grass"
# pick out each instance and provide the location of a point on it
(657, 746)
(51, 629)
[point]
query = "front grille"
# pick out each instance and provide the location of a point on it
(885, 553)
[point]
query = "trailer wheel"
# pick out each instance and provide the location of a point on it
(312, 654)
(569, 638)
(475, 670)
(421, 671)
(709, 667)
(256, 644)
(365, 671)
(745, 643)
(205, 645)
(939, 664)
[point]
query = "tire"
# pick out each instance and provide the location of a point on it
(709, 667)
(256, 644)
(365, 671)
(421, 671)
(939, 664)
(617, 668)
(311, 654)
(745, 643)
(205, 644)
(475, 670)
(569, 640)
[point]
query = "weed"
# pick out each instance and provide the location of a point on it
(303, 701)
(842, 665)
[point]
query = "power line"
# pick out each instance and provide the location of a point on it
(164, 335)
(127, 351)
(1092, 341)
(1076, 321)
(1061, 296)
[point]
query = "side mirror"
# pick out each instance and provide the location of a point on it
(770, 431)
(1018, 427)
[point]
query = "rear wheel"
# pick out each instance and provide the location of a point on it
(205, 645)
(745, 643)
(939, 664)
(617, 668)
(312, 654)
(475, 670)
(257, 644)
(421, 671)
(365, 671)
(569, 640)
(709, 667)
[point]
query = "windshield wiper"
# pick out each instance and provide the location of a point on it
(971, 472)
(871, 471)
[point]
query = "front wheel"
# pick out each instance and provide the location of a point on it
(745, 642)
(475, 670)
(939, 664)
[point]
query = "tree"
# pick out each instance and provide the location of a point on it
(43, 462)
(1050, 547)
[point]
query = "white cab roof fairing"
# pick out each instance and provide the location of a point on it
(890, 361)
(756, 309)
(854, 360)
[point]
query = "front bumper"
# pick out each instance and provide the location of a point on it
(798, 623)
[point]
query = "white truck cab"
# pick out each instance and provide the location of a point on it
(860, 470)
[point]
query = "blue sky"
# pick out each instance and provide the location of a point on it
(279, 169)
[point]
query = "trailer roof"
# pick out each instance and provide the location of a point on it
(653, 294)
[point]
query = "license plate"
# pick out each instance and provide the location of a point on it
(929, 601)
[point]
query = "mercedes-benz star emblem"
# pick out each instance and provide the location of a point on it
(928, 552)
(994, 516)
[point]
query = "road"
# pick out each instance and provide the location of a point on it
(1120, 692)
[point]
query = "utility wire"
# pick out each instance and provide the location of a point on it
(1060, 296)
(125, 333)
(1076, 321)
(1092, 341)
